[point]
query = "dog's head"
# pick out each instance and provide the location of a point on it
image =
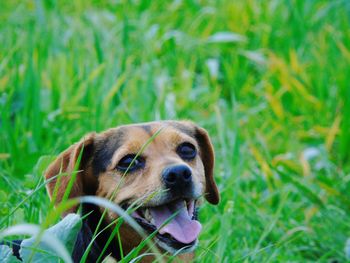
(167, 166)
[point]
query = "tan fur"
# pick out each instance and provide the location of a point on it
(160, 153)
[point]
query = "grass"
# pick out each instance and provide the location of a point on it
(269, 80)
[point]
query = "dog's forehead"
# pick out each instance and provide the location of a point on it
(150, 128)
(157, 134)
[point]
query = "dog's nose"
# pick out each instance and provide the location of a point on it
(177, 176)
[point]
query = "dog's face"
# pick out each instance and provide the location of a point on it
(163, 167)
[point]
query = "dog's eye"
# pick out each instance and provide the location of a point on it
(130, 163)
(186, 151)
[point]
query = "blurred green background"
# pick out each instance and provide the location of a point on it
(269, 80)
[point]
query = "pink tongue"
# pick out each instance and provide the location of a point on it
(181, 227)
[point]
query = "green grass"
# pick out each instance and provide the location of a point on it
(275, 99)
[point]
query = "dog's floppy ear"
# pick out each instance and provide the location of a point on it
(208, 158)
(66, 173)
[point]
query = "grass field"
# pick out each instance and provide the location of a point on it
(269, 80)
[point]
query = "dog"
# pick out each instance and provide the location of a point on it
(177, 164)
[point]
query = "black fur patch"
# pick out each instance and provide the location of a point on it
(147, 128)
(85, 236)
(15, 245)
(183, 128)
(104, 152)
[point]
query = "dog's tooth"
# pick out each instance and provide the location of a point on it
(152, 221)
(147, 214)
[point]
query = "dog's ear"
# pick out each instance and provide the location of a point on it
(65, 175)
(207, 154)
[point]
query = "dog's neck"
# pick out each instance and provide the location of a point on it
(92, 215)
(85, 236)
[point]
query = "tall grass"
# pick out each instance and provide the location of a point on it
(269, 80)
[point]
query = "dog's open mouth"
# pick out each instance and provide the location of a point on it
(176, 222)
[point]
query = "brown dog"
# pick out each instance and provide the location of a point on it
(170, 174)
